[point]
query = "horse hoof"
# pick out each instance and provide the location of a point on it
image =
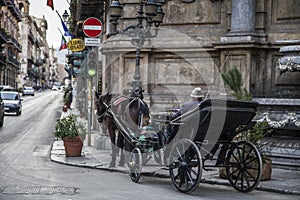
(112, 164)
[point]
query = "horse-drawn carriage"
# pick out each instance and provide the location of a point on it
(200, 139)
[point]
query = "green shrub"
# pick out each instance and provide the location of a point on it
(233, 78)
(255, 135)
(70, 127)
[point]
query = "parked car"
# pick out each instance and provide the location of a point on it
(7, 88)
(12, 102)
(56, 87)
(1, 112)
(28, 91)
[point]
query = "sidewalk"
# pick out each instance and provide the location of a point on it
(283, 181)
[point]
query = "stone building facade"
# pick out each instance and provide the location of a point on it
(10, 47)
(200, 39)
(35, 55)
(24, 56)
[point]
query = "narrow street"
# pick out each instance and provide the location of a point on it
(27, 173)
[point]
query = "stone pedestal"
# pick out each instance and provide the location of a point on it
(283, 115)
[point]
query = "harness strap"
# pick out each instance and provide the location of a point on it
(142, 107)
(104, 114)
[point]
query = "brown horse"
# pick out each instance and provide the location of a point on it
(135, 113)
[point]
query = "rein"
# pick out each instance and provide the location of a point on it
(105, 113)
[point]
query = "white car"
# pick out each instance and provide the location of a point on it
(56, 87)
(28, 91)
(12, 102)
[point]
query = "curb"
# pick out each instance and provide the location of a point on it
(160, 175)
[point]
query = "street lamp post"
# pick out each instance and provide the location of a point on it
(149, 12)
(65, 17)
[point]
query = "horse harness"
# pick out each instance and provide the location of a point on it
(143, 109)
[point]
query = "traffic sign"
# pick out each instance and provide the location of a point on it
(92, 27)
(94, 42)
(76, 45)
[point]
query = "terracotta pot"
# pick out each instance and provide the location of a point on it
(266, 170)
(73, 146)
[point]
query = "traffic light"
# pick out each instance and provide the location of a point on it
(92, 62)
(76, 58)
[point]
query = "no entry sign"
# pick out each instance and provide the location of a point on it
(92, 27)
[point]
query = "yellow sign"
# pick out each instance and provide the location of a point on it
(76, 45)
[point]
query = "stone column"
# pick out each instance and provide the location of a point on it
(243, 16)
(242, 22)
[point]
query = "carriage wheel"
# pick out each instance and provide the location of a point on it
(185, 166)
(135, 165)
(243, 166)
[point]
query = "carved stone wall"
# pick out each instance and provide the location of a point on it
(169, 62)
(197, 12)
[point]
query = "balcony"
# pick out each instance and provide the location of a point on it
(15, 11)
(2, 59)
(31, 37)
(3, 35)
(40, 62)
(81, 10)
(12, 60)
(15, 43)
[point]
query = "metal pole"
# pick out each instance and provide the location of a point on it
(137, 75)
(90, 112)
(137, 82)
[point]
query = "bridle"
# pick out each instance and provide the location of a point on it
(105, 113)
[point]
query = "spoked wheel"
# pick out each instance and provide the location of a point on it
(243, 166)
(135, 165)
(185, 166)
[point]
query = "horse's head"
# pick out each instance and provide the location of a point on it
(102, 103)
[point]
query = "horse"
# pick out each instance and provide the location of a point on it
(135, 111)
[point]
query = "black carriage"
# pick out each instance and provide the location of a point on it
(197, 140)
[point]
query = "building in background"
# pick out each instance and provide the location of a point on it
(35, 55)
(10, 48)
(25, 57)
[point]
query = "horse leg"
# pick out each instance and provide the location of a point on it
(113, 148)
(128, 147)
(120, 144)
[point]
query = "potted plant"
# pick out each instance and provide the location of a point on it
(256, 135)
(72, 132)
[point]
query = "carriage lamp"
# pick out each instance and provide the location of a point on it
(158, 18)
(149, 13)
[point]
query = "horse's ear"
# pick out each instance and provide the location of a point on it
(96, 95)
